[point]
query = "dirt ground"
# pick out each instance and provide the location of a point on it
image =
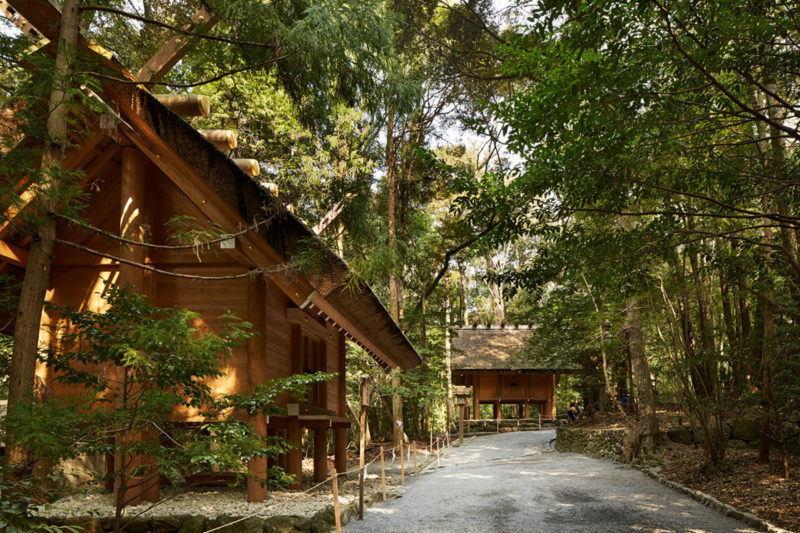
(741, 482)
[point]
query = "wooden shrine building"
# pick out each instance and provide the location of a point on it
(152, 165)
(488, 359)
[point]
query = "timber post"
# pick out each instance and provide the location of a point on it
(383, 476)
(133, 226)
(256, 374)
(337, 518)
(340, 449)
(320, 454)
(460, 423)
(294, 435)
(402, 465)
(364, 393)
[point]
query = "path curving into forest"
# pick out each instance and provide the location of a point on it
(515, 482)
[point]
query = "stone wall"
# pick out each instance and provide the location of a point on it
(741, 433)
(598, 443)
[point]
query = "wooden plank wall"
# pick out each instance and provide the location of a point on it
(513, 386)
(76, 281)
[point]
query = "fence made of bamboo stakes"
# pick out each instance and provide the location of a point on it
(337, 518)
(383, 476)
(402, 465)
(307, 491)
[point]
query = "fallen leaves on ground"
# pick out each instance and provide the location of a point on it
(741, 482)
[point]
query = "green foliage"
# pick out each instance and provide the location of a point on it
(135, 366)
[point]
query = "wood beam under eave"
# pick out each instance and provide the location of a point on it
(352, 331)
(13, 254)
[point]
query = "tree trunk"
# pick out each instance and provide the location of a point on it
(629, 379)
(779, 167)
(789, 250)
(37, 273)
(747, 345)
(611, 397)
(447, 352)
(704, 367)
(423, 333)
(734, 358)
(641, 373)
(496, 290)
(394, 285)
(462, 295)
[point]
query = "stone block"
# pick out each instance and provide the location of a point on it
(741, 445)
(745, 429)
(170, 524)
(790, 430)
(681, 435)
(323, 520)
(281, 524)
(193, 524)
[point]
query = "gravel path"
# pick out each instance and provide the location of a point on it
(514, 482)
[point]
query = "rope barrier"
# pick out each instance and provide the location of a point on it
(329, 478)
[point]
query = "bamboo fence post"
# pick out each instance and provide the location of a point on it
(383, 476)
(540, 420)
(415, 459)
(498, 424)
(402, 465)
(338, 519)
(431, 443)
(437, 452)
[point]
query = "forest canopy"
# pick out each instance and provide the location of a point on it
(622, 176)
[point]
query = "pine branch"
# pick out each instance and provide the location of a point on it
(449, 255)
(186, 85)
(176, 29)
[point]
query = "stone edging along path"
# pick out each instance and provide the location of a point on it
(607, 445)
(709, 501)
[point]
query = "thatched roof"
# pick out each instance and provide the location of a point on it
(494, 348)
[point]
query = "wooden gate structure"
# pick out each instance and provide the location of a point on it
(152, 165)
(488, 359)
